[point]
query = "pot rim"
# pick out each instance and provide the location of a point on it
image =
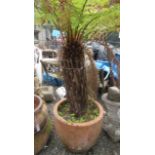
(40, 103)
(84, 124)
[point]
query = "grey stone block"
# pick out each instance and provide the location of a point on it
(111, 123)
(111, 106)
(112, 128)
(114, 94)
(47, 93)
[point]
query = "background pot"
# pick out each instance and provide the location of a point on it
(41, 137)
(78, 137)
(42, 125)
(112, 118)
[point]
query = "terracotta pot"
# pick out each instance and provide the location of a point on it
(40, 113)
(78, 137)
(41, 138)
(42, 126)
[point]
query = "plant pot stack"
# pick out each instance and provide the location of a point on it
(42, 125)
(111, 102)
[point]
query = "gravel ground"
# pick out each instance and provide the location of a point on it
(104, 145)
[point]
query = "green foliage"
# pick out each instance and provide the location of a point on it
(80, 18)
(109, 21)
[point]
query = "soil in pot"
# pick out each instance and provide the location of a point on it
(91, 113)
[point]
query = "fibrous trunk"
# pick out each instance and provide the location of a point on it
(75, 76)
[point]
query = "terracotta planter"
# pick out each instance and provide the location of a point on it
(78, 137)
(42, 125)
(41, 138)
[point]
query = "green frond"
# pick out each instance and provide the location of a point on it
(79, 16)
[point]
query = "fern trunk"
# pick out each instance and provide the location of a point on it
(75, 77)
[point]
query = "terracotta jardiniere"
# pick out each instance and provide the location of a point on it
(78, 137)
(42, 125)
